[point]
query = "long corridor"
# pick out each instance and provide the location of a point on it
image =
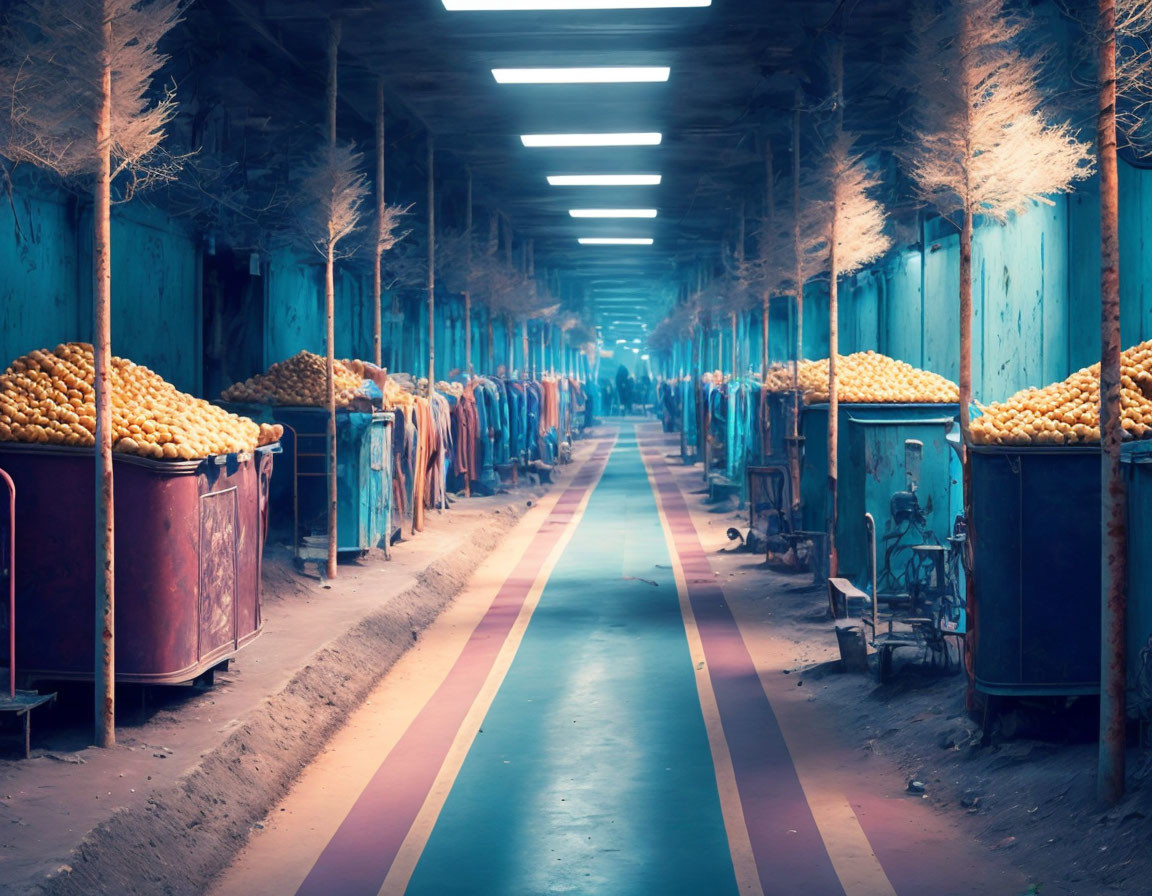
(588, 718)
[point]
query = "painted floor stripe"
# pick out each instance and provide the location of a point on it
(593, 772)
(786, 841)
(357, 859)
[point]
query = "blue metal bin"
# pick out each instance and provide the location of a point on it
(1036, 569)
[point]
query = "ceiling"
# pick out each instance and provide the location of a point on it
(735, 66)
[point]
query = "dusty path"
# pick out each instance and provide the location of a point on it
(592, 716)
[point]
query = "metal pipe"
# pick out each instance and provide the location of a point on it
(870, 526)
(11, 583)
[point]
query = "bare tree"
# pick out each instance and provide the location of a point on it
(332, 192)
(77, 78)
(980, 142)
(387, 227)
(842, 205)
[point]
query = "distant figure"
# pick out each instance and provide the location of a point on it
(645, 393)
(623, 389)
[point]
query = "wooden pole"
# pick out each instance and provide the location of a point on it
(834, 322)
(431, 268)
(105, 628)
(493, 248)
(1110, 780)
(330, 313)
(770, 225)
(468, 280)
(377, 285)
(798, 350)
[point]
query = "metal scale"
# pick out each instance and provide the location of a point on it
(918, 582)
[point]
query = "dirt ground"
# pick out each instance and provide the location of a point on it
(195, 770)
(1027, 795)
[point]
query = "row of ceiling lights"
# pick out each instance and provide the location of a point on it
(588, 75)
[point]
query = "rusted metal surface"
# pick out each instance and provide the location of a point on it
(162, 561)
(1113, 633)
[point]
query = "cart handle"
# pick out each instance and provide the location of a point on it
(870, 527)
(11, 583)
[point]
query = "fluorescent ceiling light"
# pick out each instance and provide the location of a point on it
(615, 241)
(604, 180)
(604, 74)
(550, 5)
(625, 139)
(612, 212)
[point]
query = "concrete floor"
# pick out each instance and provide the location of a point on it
(589, 716)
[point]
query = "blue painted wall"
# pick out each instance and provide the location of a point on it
(46, 289)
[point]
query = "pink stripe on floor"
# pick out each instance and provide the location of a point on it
(360, 854)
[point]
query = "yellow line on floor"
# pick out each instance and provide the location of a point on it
(809, 746)
(278, 858)
(410, 851)
(731, 808)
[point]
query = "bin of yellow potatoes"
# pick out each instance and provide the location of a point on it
(299, 381)
(866, 378)
(1068, 412)
(47, 398)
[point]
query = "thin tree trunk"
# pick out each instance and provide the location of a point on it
(105, 648)
(833, 403)
(735, 348)
(468, 281)
(1110, 778)
(965, 393)
(377, 290)
(431, 269)
(798, 353)
(330, 403)
(330, 312)
(770, 224)
(834, 325)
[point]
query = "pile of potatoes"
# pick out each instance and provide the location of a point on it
(866, 378)
(1068, 412)
(47, 398)
(300, 381)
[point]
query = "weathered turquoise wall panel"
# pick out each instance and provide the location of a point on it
(902, 337)
(38, 277)
(156, 314)
(1084, 277)
(45, 287)
(294, 308)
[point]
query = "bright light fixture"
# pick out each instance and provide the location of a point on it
(624, 139)
(644, 357)
(637, 341)
(619, 341)
(551, 5)
(604, 180)
(615, 241)
(604, 74)
(612, 212)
